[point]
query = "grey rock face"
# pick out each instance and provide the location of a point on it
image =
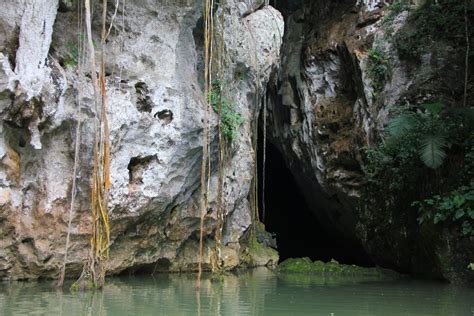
(324, 110)
(155, 107)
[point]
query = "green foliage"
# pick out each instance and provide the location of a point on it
(394, 10)
(440, 21)
(427, 156)
(71, 58)
(456, 206)
(72, 55)
(424, 128)
(230, 119)
(377, 68)
(432, 151)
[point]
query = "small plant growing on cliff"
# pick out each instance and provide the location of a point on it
(72, 54)
(426, 128)
(230, 119)
(434, 22)
(425, 164)
(71, 58)
(377, 68)
(394, 10)
(456, 206)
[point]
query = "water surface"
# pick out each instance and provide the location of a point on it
(255, 292)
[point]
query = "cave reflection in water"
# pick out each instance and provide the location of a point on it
(255, 292)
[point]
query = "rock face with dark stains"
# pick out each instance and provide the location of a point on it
(326, 106)
(155, 106)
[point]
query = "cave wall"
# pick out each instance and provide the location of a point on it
(155, 108)
(325, 108)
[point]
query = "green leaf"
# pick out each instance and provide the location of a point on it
(458, 201)
(470, 212)
(438, 218)
(459, 213)
(432, 150)
(446, 205)
(401, 124)
(466, 228)
(434, 108)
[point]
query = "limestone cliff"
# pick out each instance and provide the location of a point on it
(155, 109)
(327, 102)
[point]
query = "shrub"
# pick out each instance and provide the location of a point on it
(377, 68)
(425, 162)
(393, 10)
(230, 120)
(440, 21)
(456, 207)
(71, 58)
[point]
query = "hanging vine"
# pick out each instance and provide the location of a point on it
(80, 64)
(217, 262)
(264, 153)
(93, 274)
(205, 163)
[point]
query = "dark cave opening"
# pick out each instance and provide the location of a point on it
(298, 231)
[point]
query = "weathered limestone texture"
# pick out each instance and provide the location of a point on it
(155, 106)
(326, 107)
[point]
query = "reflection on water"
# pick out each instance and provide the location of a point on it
(256, 292)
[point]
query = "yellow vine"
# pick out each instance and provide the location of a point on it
(96, 267)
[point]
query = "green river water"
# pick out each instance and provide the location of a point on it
(254, 292)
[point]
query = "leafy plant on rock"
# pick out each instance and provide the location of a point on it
(377, 68)
(428, 130)
(394, 10)
(435, 21)
(230, 118)
(426, 159)
(456, 206)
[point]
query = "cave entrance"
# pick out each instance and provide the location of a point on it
(298, 231)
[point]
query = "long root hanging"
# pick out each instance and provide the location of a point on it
(217, 261)
(205, 164)
(80, 65)
(95, 269)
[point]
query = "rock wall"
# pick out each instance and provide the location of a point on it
(326, 107)
(155, 108)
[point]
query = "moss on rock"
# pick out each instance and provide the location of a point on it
(331, 268)
(255, 254)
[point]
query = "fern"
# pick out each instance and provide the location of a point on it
(434, 108)
(423, 129)
(401, 124)
(432, 150)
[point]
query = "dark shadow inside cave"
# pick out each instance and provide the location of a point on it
(298, 231)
